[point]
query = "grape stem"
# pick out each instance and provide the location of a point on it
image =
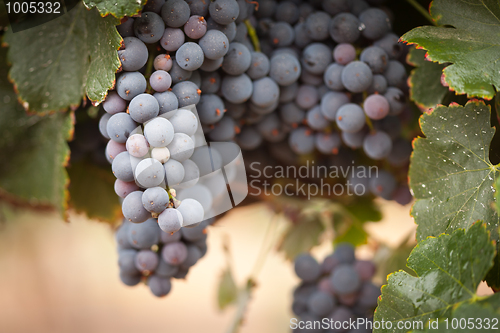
(253, 35)
(422, 11)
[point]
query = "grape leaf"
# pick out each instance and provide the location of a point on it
(55, 64)
(228, 291)
(450, 174)
(426, 89)
(117, 8)
(472, 45)
(301, 237)
(34, 152)
(449, 268)
(92, 192)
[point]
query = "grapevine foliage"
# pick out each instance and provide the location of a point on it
(449, 269)
(472, 45)
(117, 8)
(75, 55)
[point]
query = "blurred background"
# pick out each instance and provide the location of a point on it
(63, 277)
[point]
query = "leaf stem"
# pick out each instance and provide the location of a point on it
(422, 11)
(253, 35)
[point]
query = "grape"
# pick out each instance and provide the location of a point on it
(287, 11)
(344, 53)
(376, 22)
(121, 236)
(350, 118)
(358, 184)
(395, 74)
(333, 77)
(263, 110)
(210, 83)
(181, 147)
(194, 233)
(159, 286)
(159, 132)
(301, 141)
(146, 261)
(302, 38)
(379, 85)
(320, 303)
(122, 189)
(237, 89)
(259, 66)
(287, 93)
(114, 103)
(130, 84)
(187, 93)
(174, 253)
(170, 220)
(224, 130)
(194, 254)
(126, 261)
(198, 7)
(291, 114)
(175, 13)
(184, 121)
(366, 269)
(210, 109)
(305, 9)
(248, 138)
(191, 174)
(375, 58)
(353, 140)
(281, 34)
(205, 157)
(390, 125)
(144, 235)
(160, 81)
(167, 101)
(195, 27)
(153, 6)
(331, 102)
(307, 268)
(317, 25)
(345, 28)
(189, 56)
(357, 77)
(126, 29)
(328, 143)
(160, 154)
(402, 195)
(155, 199)
(269, 126)
(103, 123)
(266, 9)
(130, 280)
(182, 273)
(174, 172)
(196, 78)
(122, 168)
(368, 296)
(390, 44)
(265, 92)
(315, 119)
(316, 58)
(224, 11)
(214, 44)
(400, 153)
(172, 39)
(229, 30)
(237, 59)
(345, 280)
(166, 237)
(163, 62)
(383, 184)
(192, 211)
(211, 65)
(376, 107)
(149, 27)
(134, 55)
(164, 269)
(113, 148)
(246, 10)
(143, 107)
(377, 145)
(285, 69)
(344, 253)
(307, 97)
(396, 100)
(358, 6)
(137, 145)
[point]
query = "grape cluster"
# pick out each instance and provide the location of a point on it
(339, 289)
(145, 252)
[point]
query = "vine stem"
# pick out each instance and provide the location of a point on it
(245, 294)
(253, 35)
(422, 11)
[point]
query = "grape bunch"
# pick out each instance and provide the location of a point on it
(145, 252)
(339, 289)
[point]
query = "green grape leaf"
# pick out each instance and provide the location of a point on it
(302, 236)
(117, 8)
(364, 210)
(449, 269)
(228, 291)
(353, 234)
(426, 89)
(92, 192)
(472, 44)
(450, 173)
(34, 151)
(56, 64)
